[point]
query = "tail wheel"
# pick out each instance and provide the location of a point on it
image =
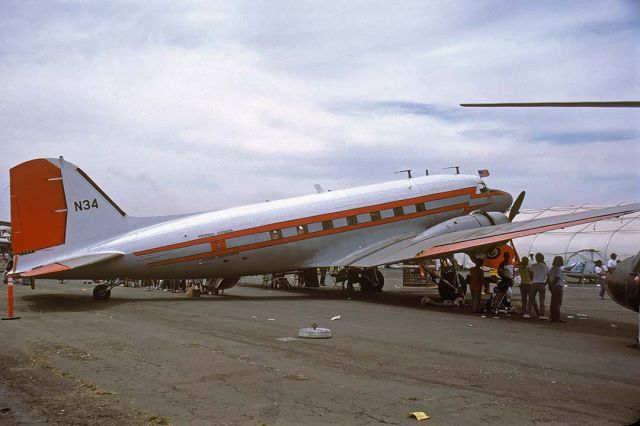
(101, 292)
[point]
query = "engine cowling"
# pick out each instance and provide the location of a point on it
(474, 220)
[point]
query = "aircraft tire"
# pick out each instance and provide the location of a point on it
(371, 281)
(380, 282)
(101, 292)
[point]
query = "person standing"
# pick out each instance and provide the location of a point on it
(601, 272)
(476, 278)
(506, 274)
(525, 282)
(612, 263)
(323, 275)
(540, 272)
(556, 285)
(505, 270)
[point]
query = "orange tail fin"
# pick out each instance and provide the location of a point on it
(38, 206)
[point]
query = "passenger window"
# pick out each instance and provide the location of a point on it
(375, 216)
(420, 207)
(276, 234)
(398, 211)
(327, 224)
(352, 220)
(302, 229)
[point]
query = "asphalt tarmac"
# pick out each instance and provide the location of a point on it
(153, 357)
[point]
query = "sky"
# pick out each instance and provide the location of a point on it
(175, 107)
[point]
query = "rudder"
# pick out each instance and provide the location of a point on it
(38, 206)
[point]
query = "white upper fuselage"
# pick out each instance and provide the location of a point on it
(291, 234)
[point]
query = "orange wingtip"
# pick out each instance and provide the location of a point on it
(45, 270)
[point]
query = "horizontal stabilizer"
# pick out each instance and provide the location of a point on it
(70, 263)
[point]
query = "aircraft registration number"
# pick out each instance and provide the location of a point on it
(85, 205)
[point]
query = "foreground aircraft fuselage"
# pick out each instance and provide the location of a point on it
(81, 233)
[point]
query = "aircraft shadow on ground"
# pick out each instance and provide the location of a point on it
(82, 303)
(66, 302)
(51, 302)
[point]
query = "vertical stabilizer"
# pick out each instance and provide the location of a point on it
(54, 203)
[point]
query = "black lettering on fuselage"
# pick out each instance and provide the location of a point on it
(85, 205)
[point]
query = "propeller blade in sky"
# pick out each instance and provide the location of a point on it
(606, 104)
(515, 207)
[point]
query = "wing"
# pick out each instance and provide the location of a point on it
(67, 263)
(423, 246)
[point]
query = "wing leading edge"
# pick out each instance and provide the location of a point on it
(465, 241)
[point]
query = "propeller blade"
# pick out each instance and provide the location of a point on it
(606, 104)
(515, 207)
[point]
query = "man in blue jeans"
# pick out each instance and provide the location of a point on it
(540, 272)
(556, 286)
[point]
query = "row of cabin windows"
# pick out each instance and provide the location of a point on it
(374, 216)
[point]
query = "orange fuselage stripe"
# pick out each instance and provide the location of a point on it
(312, 219)
(307, 236)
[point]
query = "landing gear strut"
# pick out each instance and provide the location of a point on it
(103, 291)
(451, 285)
(371, 280)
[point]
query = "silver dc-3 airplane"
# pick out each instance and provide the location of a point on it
(64, 226)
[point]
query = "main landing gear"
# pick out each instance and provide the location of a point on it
(103, 291)
(452, 286)
(371, 280)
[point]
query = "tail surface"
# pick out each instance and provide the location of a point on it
(54, 203)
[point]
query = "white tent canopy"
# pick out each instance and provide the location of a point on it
(620, 235)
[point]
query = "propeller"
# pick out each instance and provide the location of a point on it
(605, 104)
(499, 250)
(515, 207)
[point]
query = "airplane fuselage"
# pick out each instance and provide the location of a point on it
(286, 235)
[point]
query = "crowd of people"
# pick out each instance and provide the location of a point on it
(534, 280)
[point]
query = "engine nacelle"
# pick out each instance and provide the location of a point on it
(477, 219)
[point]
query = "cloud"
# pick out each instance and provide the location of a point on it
(178, 107)
(588, 137)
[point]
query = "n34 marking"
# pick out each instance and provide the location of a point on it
(85, 205)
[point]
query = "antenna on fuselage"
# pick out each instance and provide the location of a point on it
(408, 171)
(426, 172)
(454, 167)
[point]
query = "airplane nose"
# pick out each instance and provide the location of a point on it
(500, 200)
(508, 201)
